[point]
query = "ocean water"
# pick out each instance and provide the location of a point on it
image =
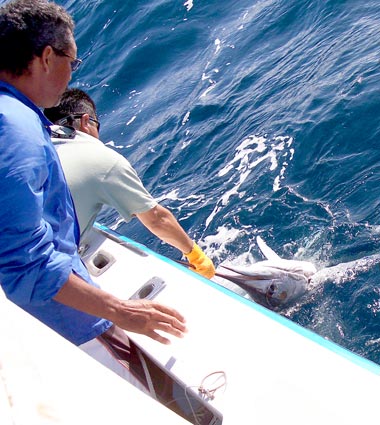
(251, 118)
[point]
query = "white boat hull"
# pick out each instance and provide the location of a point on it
(276, 371)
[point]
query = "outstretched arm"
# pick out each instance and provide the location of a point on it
(140, 316)
(162, 223)
(123, 179)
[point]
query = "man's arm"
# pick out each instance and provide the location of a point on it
(162, 223)
(140, 316)
(124, 191)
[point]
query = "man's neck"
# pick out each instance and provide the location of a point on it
(23, 83)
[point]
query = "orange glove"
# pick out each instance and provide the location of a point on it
(201, 263)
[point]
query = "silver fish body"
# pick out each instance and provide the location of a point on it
(274, 283)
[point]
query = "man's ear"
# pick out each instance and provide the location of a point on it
(46, 58)
(85, 123)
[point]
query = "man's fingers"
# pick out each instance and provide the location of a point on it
(167, 328)
(148, 317)
(174, 322)
(157, 337)
(170, 329)
(169, 311)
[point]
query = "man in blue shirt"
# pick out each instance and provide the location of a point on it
(40, 269)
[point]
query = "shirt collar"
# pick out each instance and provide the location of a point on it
(5, 87)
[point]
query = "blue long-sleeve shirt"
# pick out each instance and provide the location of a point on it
(39, 230)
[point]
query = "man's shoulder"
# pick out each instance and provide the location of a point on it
(65, 135)
(86, 147)
(97, 146)
(88, 139)
(19, 123)
(12, 108)
(14, 103)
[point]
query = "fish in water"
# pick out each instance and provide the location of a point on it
(275, 282)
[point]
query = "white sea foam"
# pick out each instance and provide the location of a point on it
(209, 88)
(215, 245)
(186, 118)
(252, 151)
(189, 4)
(217, 43)
(107, 24)
(188, 201)
(112, 143)
(185, 144)
(173, 196)
(131, 120)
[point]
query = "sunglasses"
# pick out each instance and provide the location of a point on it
(70, 118)
(75, 63)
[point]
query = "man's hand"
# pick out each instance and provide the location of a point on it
(201, 263)
(140, 316)
(147, 317)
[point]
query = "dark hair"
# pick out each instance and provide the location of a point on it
(73, 101)
(26, 28)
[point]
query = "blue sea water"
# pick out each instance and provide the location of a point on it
(246, 118)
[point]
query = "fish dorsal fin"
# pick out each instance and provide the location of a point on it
(267, 252)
